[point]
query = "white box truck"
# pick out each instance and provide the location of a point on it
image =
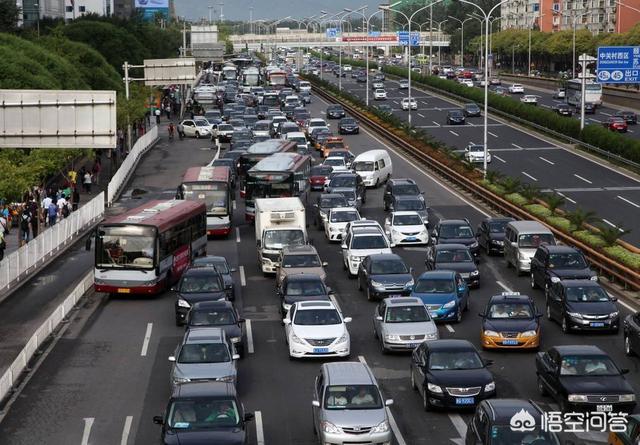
(280, 222)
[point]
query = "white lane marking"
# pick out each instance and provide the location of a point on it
(396, 102)
(567, 198)
(546, 160)
(630, 131)
(234, 204)
(243, 280)
(529, 176)
(517, 146)
(449, 328)
(249, 336)
(629, 202)
(420, 114)
(259, 428)
(392, 420)
(493, 134)
(437, 124)
(503, 286)
(88, 424)
(500, 159)
(545, 105)
(611, 224)
(585, 180)
(145, 342)
(606, 114)
(237, 234)
(126, 430)
(595, 120)
(458, 424)
(453, 133)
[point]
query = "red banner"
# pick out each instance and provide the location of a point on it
(391, 38)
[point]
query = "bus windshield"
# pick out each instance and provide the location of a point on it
(269, 186)
(217, 201)
(127, 246)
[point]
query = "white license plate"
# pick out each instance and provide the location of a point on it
(604, 408)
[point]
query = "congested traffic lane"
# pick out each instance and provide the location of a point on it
(585, 182)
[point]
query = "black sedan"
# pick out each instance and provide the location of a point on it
(384, 275)
(589, 108)
(456, 117)
(454, 257)
(629, 116)
(348, 125)
(551, 264)
(584, 378)
(632, 334)
(197, 284)
(301, 287)
(221, 265)
(563, 109)
(456, 231)
(450, 374)
(335, 112)
(219, 314)
(472, 110)
(490, 234)
(582, 305)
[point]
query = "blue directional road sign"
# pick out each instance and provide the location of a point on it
(332, 33)
(618, 64)
(374, 33)
(403, 38)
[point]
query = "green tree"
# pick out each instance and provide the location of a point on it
(9, 15)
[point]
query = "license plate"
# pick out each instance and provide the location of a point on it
(604, 408)
(597, 325)
(465, 401)
(509, 342)
(124, 291)
(433, 314)
(395, 295)
(320, 350)
(414, 345)
(412, 238)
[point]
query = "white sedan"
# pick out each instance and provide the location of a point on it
(474, 153)
(337, 220)
(379, 94)
(377, 85)
(316, 329)
(403, 84)
(516, 88)
(406, 104)
(337, 163)
(406, 228)
(467, 82)
(529, 99)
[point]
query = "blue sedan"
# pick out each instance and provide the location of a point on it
(445, 294)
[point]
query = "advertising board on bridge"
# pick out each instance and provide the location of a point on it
(379, 38)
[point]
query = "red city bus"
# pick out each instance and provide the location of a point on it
(211, 185)
(145, 250)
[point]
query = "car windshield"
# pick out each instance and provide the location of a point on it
(409, 204)
(388, 266)
(193, 284)
(317, 317)
(277, 239)
(192, 353)
(535, 240)
(344, 181)
(406, 189)
(220, 317)
(434, 286)
(453, 256)
(334, 161)
(262, 126)
(348, 122)
(588, 294)
(310, 260)
(476, 148)
(343, 217)
(510, 310)
(504, 435)
(567, 261)
(407, 220)
(225, 127)
(202, 123)
(306, 288)
(369, 242)
(455, 231)
(362, 166)
(320, 170)
(220, 265)
(331, 201)
(352, 397)
(456, 113)
(587, 365)
(444, 360)
(203, 413)
(471, 107)
(498, 226)
(407, 314)
(349, 195)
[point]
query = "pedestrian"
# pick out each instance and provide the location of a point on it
(97, 168)
(25, 222)
(35, 217)
(168, 111)
(63, 209)
(52, 213)
(157, 115)
(75, 199)
(86, 182)
(120, 138)
(46, 202)
(180, 131)
(3, 245)
(147, 117)
(4, 224)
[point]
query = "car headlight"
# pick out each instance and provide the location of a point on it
(178, 380)
(490, 333)
(614, 314)
(497, 242)
(490, 387)
(382, 427)
(522, 256)
(627, 397)
(333, 229)
(474, 245)
(555, 279)
(286, 307)
(236, 339)
(449, 305)
(343, 338)
(356, 258)
(577, 398)
(475, 272)
(434, 388)
(594, 278)
(392, 337)
(330, 428)
(409, 284)
(528, 334)
(574, 314)
(375, 284)
(183, 303)
(432, 336)
(227, 378)
(296, 339)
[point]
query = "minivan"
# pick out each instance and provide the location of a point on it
(348, 406)
(374, 166)
(522, 238)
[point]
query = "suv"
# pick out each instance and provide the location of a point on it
(510, 321)
(551, 264)
(491, 424)
(384, 275)
(401, 324)
(490, 234)
(399, 187)
(220, 314)
(299, 260)
(205, 354)
(360, 243)
(337, 220)
(455, 231)
(348, 406)
(197, 284)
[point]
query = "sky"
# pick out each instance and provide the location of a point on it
(264, 9)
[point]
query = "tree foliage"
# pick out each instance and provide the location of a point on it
(9, 15)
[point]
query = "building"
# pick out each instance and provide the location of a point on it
(34, 9)
(598, 16)
(78, 8)
(123, 8)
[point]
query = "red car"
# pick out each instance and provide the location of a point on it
(616, 124)
(318, 176)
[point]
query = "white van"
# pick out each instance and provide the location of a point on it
(521, 241)
(373, 166)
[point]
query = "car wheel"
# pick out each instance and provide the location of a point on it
(627, 346)
(541, 388)
(197, 135)
(565, 325)
(459, 315)
(413, 380)
(533, 282)
(178, 321)
(369, 297)
(546, 290)
(549, 317)
(425, 400)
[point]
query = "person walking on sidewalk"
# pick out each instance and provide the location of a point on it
(4, 224)
(75, 199)
(97, 168)
(52, 213)
(158, 115)
(167, 110)
(181, 131)
(86, 182)
(25, 221)
(35, 217)
(46, 202)
(3, 245)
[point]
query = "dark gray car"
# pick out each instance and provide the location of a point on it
(455, 257)
(218, 314)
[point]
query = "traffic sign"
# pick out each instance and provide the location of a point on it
(618, 64)
(332, 33)
(403, 38)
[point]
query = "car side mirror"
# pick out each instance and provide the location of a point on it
(172, 358)
(624, 371)
(248, 416)
(488, 362)
(347, 319)
(235, 357)
(392, 244)
(480, 314)
(158, 420)
(538, 315)
(325, 264)
(612, 298)
(242, 320)
(388, 402)
(344, 246)
(315, 403)
(286, 321)
(379, 317)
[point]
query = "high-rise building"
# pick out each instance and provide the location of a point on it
(597, 16)
(78, 8)
(123, 8)
(34, 9)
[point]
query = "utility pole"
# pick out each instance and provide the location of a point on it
(126, 93)
(221, 4)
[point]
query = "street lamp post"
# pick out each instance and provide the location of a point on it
(480, 57)
(462, 22)
(439, 41)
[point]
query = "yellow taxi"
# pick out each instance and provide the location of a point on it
(333, 143)
(510, 321)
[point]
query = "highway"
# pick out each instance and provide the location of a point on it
(108, 375)
(584, 181)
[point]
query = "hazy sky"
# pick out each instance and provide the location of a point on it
(264, 9)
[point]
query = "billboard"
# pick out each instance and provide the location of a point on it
(380, 38)
(150, 8)
(57, 119)
(169, 71)
(618, 64)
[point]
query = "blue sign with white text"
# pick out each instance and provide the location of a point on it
(332, 33)
(403, 38)
(618, 64)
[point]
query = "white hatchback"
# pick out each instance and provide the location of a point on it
(337, 220)
(406, 228)
(316, 329)
(516, 88)
(529, 99)
(406, 103)
(337, 163)
(379, 94)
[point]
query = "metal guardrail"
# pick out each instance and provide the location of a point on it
(608, 267)
(13, 374)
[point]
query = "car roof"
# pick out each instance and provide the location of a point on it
(314, 304)
(502, 410)
(437, 274)
(303, 277)
(579, 350)
(204, 389)
(450, 246)
(348, 373)
(344, 209)
(445, 222)
(405, 213)
(407, 197)
(579, 283)
(396, 181)
(368, 230)
(450, 343)
(510, 297)
(402, 301)
(559, 249)
(299, 250)
(210, 305)
(499, 219)
(204, 335)
(385, 256)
